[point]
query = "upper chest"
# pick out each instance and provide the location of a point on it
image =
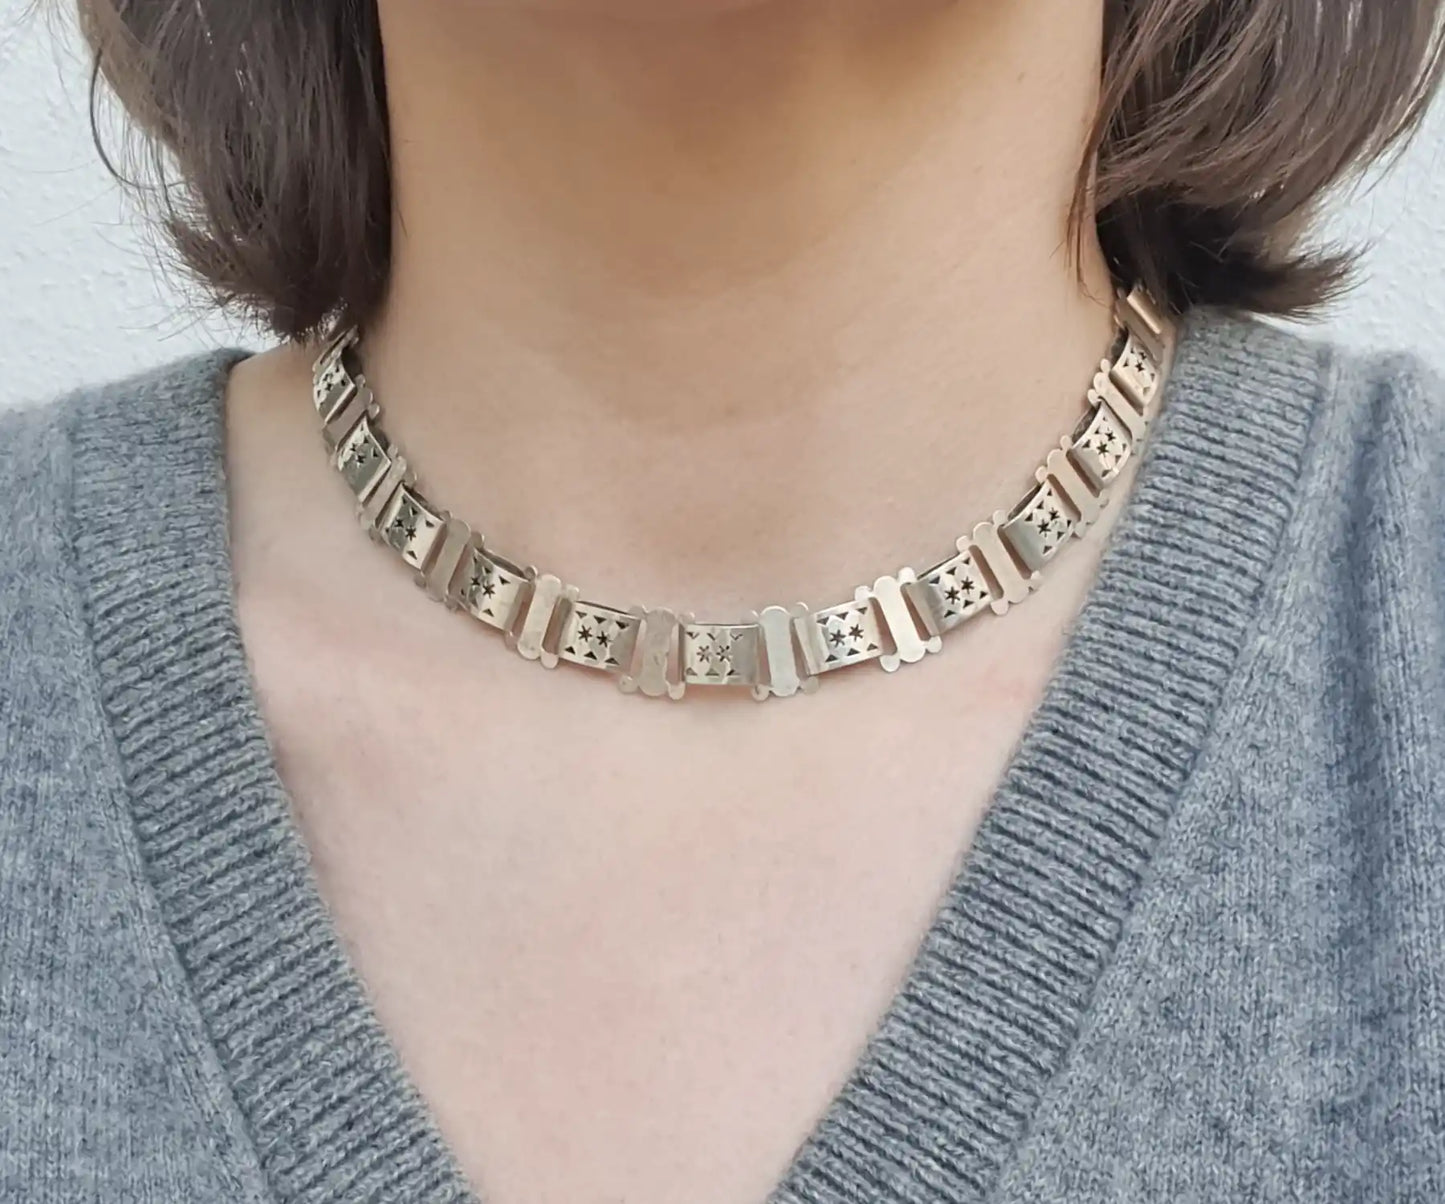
(626, 948)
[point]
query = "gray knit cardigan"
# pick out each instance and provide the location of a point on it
(1195, 954)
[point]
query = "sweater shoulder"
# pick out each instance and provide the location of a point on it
(34, 481)
(1376, 424)
(36, 602)
(1391, 399)
(1354, 620)
(86, 963)
(1375, 473)
(44, 642)
(1364, 551)
(37, 474)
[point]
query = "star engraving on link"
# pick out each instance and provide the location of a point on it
(592, 639)
(328, 380)
(959, 587)
(408, 521)
(963, 592)
(1139, 363)
(1049, 521)
(715, 654)
(968, 591)
(404, 523)
(1106, 443)
(847, 636)
(482, 584)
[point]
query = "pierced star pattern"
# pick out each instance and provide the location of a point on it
(1039, 525)
(410, 527)
(1049, 519)
(1138, 365)
(491, 587)
(362, 459)
(956, 590)
(1104, 447)
(719, 654)
(1108, 443)
(850, 634)
(326, 380)
(597, 636)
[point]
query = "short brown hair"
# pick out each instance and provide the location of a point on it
(1221, 126)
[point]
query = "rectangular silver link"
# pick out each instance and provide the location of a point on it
(362, 459)
(1136, 374)
(1125, 413)
(846, 634)
(783, 679)
(343, 421)
(1103, 447)
(598, 637)
(412, 526)
(1139, 314)
(455, 538)
(385, 489)
(335, 344)
(332, 387)
(539, 607)
(1072, 487)
(721, 654)
(1039, 526)
(950, 592)
(491, 586)
(652, 671)
(891, 599)
(989, 549)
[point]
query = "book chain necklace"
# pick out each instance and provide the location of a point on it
(780, 650)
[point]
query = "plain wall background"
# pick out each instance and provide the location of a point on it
(81, 300)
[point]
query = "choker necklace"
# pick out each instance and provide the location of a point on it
(781, 650)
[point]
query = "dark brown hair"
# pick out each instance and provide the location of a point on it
(1222, 125)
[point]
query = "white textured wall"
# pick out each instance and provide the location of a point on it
(80, 299)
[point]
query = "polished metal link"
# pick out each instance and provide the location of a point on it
(598, 637)
(952, 590)
(780, 651)
(493, 588)
(842, 635)
(721, 654)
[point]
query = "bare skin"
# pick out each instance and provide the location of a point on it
(701, 304)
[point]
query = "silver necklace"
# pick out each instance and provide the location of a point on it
(782, 651)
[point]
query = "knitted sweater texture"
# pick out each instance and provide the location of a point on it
(1196, 952)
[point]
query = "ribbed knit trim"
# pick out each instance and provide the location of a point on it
(1007, 970)
(1005, 973)
(329, 1108)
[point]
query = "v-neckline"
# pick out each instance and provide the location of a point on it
(1002, 979)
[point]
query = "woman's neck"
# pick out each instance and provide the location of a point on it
(725, 308)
